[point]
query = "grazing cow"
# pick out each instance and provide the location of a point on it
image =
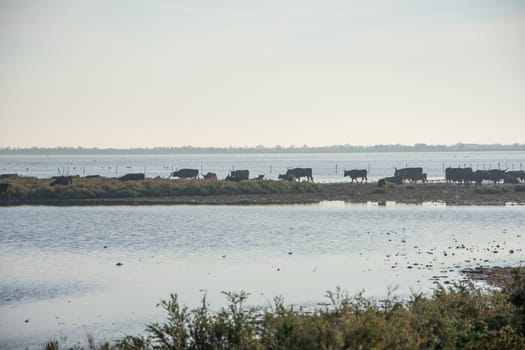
(457, 175)
(210, 176)
(132, 177)
(411, 174)
(355, 174)
(260, 177)
(5, 188)
(186, 173)
(62, 180)
(517, 174)
(398, 180)
(497, 175)
(298, 173)
(511, 180)
(422, 178)
(238, 175)
(477, 176)
(287, 177)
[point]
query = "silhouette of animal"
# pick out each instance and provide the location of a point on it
(457, 175)
(238, 175)
(62, 180)
(132, 177)
(355, 174)
(298, 173)
(411, 174)
(392, 179)
(210, 176)
(186, 173)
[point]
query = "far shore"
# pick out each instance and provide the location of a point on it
(488, 194)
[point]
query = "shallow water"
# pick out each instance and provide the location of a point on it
(326, 167)
(59, 273)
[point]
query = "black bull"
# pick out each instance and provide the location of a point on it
(357, 173)
(412, 174)
(62, 180)
(300, 172)
(238, 175)
(186, 173)
(458, 175)
(132, 177)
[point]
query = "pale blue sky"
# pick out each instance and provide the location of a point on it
(242, 73)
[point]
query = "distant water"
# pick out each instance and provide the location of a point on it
(327, 167)
(59, 273)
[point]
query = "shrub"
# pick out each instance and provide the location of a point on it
(490, 190)
(519, 188)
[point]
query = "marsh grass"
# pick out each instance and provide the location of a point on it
(459, 317)
(92, 188)
(491, 190)
(519, 188)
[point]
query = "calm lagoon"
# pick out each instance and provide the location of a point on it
(59, 272)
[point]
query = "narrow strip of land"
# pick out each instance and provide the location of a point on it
(158, 192)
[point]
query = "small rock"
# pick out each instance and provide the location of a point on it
(119, 264)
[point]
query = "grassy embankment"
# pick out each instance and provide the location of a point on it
(101, 188)
(461, 317)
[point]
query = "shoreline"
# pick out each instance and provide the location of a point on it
(450, 195)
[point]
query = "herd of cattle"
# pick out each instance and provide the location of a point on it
(465, 176)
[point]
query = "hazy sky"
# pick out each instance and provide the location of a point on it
(242, 73)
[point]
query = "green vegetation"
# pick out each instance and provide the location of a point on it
(490, 190)
(378, 191)
(460, 317)
(100, 188)
(519, 188)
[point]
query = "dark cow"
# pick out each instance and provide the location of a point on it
(511, 180)
(411, 174)
(422, 178)
(61, 180)
(186, 173)
(355, 174)
(497, 175)
(238, 175)
(477, 177)
(132, 177)
(5, 189)
(260, 177)
(457, 175)
(398, 180)
(298, 173)
(210, 176)
(288, 177)
(517, 174)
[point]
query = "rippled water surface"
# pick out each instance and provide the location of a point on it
(59, 272)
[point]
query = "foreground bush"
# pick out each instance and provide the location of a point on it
(460, 317)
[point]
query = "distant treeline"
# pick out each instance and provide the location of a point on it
(419, 147)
